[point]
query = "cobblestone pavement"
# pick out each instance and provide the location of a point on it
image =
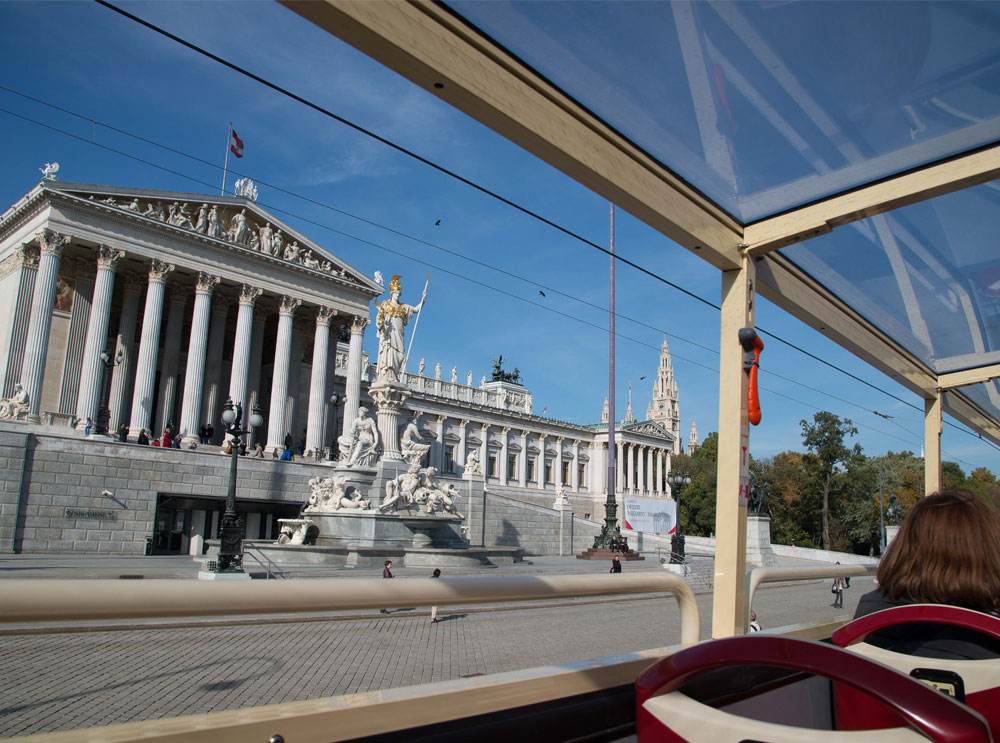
(60, 681)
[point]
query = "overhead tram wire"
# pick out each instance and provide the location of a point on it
(401, 234)
(357, 217)
(472, 184)
(425, 263)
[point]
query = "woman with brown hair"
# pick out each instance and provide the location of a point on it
(946, 552)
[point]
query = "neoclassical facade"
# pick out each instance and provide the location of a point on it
(191, 300)
(161, 305)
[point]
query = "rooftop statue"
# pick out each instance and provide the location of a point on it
(390, 324)
(499, 375)
(49, 171)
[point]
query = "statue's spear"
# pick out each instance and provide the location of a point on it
(417, 321)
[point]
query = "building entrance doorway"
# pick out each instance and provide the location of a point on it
(182, 523)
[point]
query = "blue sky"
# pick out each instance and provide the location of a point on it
(89, 60)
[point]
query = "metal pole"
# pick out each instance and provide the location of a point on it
(417, 321)
(225, 167)
(881, 515)
(610, 528)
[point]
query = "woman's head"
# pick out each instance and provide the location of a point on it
(947, 552)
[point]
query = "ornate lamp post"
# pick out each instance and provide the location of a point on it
(103, 413)
(335, 399)
(232, 529)
(677, 541)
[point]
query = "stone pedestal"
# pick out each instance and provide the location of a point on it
(562, 505)
(389, 399)
(759, 552)
(891, 530)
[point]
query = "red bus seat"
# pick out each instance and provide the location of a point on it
(979, 680)
(666, 714)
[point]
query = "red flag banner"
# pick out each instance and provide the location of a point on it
(236, 146)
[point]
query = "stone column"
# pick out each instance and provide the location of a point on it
(460, 455)
(640, 469)
(76, 340)
(317, 381)
(194, 375)
(630, 466)
(659, 473)
(171, 357)
(522, 464)
(557, 464)
(354, 360)
(25, 260)
(87, 399)
(484, 450)
(279, 380)
(540, 462)
(575, 475)
(242, 347)
(293, 411)
(125, 344)
(260, 315)
(440, 442)
(37, 340)
(389, 399)
(211, 408)
(149, 348)
(502, 469)
(619, 466)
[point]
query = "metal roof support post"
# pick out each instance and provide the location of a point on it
(729, 600)
(932, 443)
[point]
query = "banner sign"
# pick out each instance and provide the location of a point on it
(656, 515)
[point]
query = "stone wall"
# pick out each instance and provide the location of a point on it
(52, 501)
(51, 498)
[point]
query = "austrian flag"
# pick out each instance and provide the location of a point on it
(236, 146)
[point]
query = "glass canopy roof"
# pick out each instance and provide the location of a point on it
(764, 106)
(767, 106)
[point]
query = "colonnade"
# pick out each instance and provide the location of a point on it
(641, 469)
(133, 383)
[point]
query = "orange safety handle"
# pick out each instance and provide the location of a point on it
(753, 396)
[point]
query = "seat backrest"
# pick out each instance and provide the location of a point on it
(977, 682)
(664, 713)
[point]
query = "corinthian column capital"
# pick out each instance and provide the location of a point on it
(249, 294)
(108, 257)
(158, 270)
(324, 315)
(206, 283)
(359, 323)
(28, 255)
(289, 305)
(52, 242)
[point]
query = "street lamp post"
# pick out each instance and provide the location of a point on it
(335, 399)
(677, 540)
(103, 413)
(232, 529)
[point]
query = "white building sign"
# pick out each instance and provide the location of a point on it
(657, 515)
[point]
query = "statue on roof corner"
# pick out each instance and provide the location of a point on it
(390, 324)
(49, 172)
(245, 187)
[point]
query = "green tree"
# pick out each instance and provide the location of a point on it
(824, 438)
(792, 498)
(696, 502)
(952, 476)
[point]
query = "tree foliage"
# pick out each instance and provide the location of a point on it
(828, 495)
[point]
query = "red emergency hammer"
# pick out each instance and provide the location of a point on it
(752, 346)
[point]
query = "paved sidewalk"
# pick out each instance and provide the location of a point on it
(64, 680)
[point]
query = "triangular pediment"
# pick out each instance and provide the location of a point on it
(232, 223)
(649, 428)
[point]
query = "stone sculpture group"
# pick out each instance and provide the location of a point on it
(208, 221)
(333, 494)
(416, 488)
(15, 407)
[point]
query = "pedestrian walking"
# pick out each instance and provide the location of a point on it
(754, 624)
(386, 573)
(434, 609)
(837, 589)
(616, 564)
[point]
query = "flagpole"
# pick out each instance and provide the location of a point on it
(417, 321)
(225, 167)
